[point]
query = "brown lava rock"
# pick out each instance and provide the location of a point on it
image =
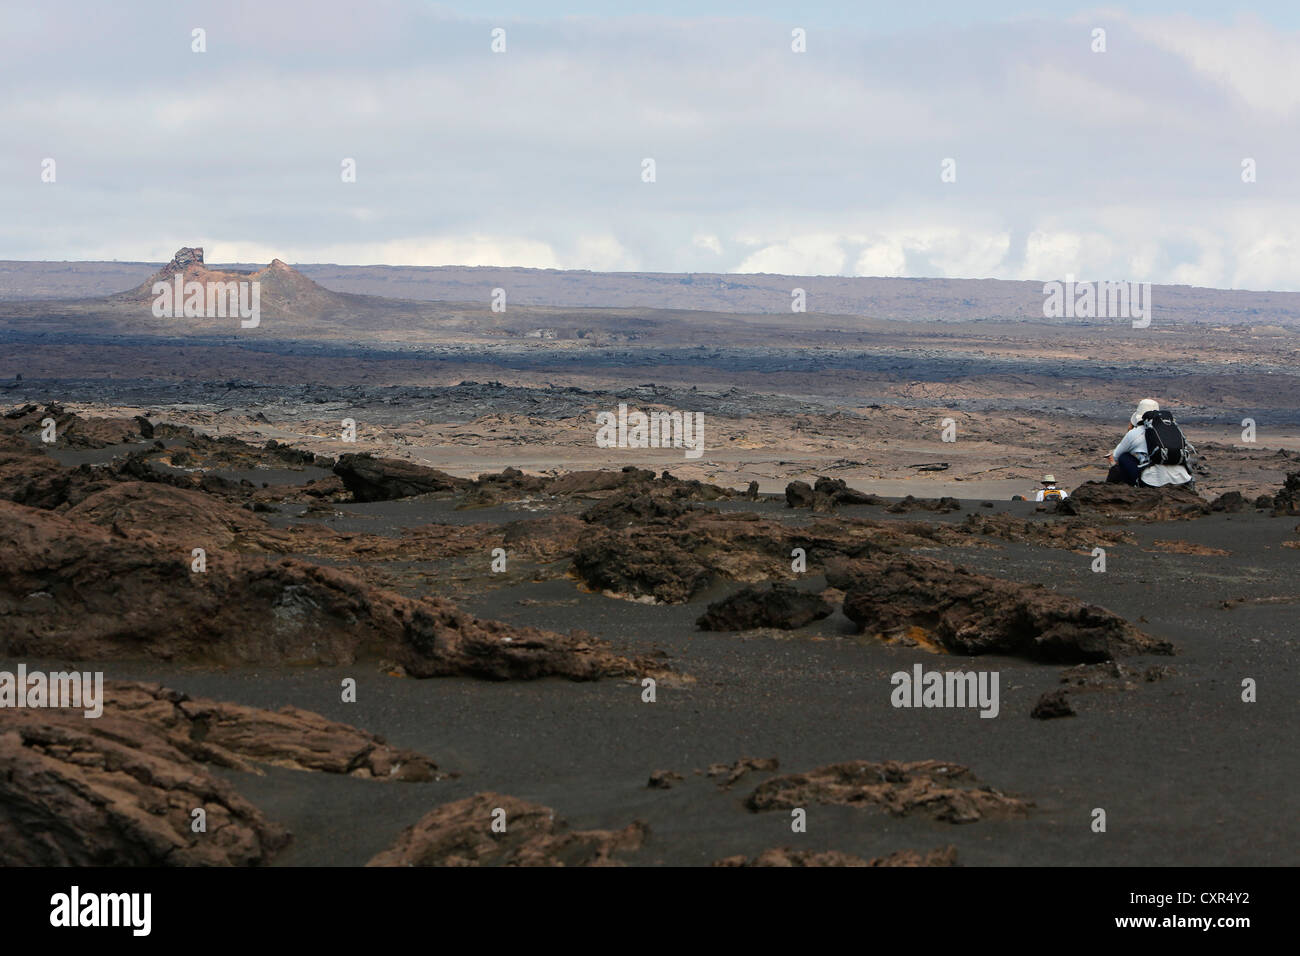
(798, 494)
(1287, 501)
(944, 791)
(1126, 501)
(672, 560)
(941, 505)
(786, 857)
(1071, 534)
(735, 771)
(663, 779)
(1053, 703)
(239, 737)
(461, 834)
(1231, 502)
(778, 605)
(71, 797)
(73, 431)
(120, 789)
(72, 589)
(941, 606)
(386, 479)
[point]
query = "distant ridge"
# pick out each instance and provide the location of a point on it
(338, 290)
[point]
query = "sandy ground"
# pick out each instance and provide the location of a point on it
(993, 456)
(1187, 772)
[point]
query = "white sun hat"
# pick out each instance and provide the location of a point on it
(1049, 479)
(1144, 406)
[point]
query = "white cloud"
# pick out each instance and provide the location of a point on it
(600, 254)
(881, 259)
(1259, 63)
(1266, 247)
(804, 255)
(1055, 254)
(1082, 99)
(960, 252)
(432, 251)
(1115, 165)
(707, 241)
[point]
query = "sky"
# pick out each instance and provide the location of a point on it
(923, 139)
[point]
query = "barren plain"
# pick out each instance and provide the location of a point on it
(620, 647)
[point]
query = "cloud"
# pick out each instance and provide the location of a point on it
(1117, 165)
(882, 259)
(1259, 64)
(803, 255)
(707, 241)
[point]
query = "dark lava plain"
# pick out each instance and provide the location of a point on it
(1186, 771)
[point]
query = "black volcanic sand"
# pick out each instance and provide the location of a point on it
(1188, 774)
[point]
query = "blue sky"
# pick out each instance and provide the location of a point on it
(920, 139)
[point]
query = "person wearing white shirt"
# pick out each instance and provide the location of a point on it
(1130, 459)
(1049, 491)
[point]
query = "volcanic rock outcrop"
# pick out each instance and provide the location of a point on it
(1052, 704)
(187, 519)
(1112, 676)
(942, 606)
(544, 539)
(786, 857)
(187, 258)
(1072, 534)
(670, 558)
(1126, 501)
(778, 605)
(944, 791)
(1287, 500)
(385, 479)
(839, 493)
(205, 451)
(631, 510)
(825, 494)
(910, 503)
(1232, 502)
(633, 485)
(284, 292)
(641, 566)
(30, 477)
(71, 589)
(142, 510)
(663, 779)
(121, 790)
(241, 738)
(462, 834)
(72, 430)
(798, 494)
(734, 772)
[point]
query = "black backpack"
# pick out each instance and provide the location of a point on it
(1165, 442)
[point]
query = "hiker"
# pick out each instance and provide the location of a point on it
(1049, 491)
(1153, 453)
